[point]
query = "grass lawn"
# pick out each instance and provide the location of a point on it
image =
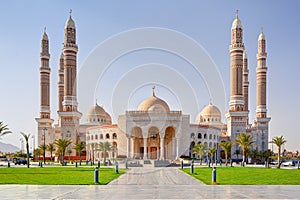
(57, 175)
(247, 176)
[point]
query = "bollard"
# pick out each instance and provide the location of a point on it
(41, 165)
(182, 164)
(98, 164)
(192, 168)
(214, 176)
(117, 168)
(91, 163)
(96, 175)
(76, 164)
(8, 164)
(126, 165)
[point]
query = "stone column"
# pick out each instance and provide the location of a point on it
(174, 143)
(128, 147)
(162, 149)
(145, 148)
(177, 148)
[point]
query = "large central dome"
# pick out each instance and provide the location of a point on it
(154, 104)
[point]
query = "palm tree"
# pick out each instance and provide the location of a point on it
(104, 147)
(199, 149)
(61, 145)
(43, 148)
(38, 153)
(79, 147)
(278, 141)
(51, 149)
(244, 140)
(3, 129)
(226, 146)
(26, 138)
(212, 152)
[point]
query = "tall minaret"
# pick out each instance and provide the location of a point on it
(262, 121)
(44, 121)
(61, 83)
(69, 116)
(261, 78)
(245, 82)
(236, 66)
(237, 115)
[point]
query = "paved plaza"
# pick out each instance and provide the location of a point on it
(149, 183)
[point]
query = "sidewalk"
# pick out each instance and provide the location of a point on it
(150, 183)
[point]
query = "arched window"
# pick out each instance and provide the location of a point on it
(210, 136)
(88, 137)
(101, 136)
(210, 145)
(199, 136)
(92, 137)
(107, 136)
(96, 137)
(114, 136)
(192, 135)
(205, 136)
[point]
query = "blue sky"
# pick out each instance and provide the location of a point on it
(206, 22)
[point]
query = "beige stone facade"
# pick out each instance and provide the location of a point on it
(153, 131)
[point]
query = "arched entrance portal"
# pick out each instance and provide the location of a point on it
(137, 137)
(153, 143)
(169, 143)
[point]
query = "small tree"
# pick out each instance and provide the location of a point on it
(244, 140)
(199, 149)
(212, 152)
(37, 152)
(26, 138)
(278, 141)
(79, 147)
(51, 149)
(226, 146)
(105, 147)
(3, 129)
(61, 145)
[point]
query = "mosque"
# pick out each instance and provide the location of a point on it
(153, 131)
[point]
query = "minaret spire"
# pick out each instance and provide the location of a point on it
(61, 83)
(153, 91)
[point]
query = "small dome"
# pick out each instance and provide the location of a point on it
(97, 113)
(236, 23)
(154, 104)
(70, 23)
(211, 110)
(261, 36)
(210, 114)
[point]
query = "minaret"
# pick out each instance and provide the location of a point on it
(262, 121)
(245, 81)
(61, 83)
(44, 121)
(69, 116)
(236, 66)
(261, 78)
(237, 115)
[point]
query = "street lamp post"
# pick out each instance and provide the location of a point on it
(44, 129)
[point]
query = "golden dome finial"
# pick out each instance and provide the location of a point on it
(153, 92)
(237, 13)
(210, 101)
